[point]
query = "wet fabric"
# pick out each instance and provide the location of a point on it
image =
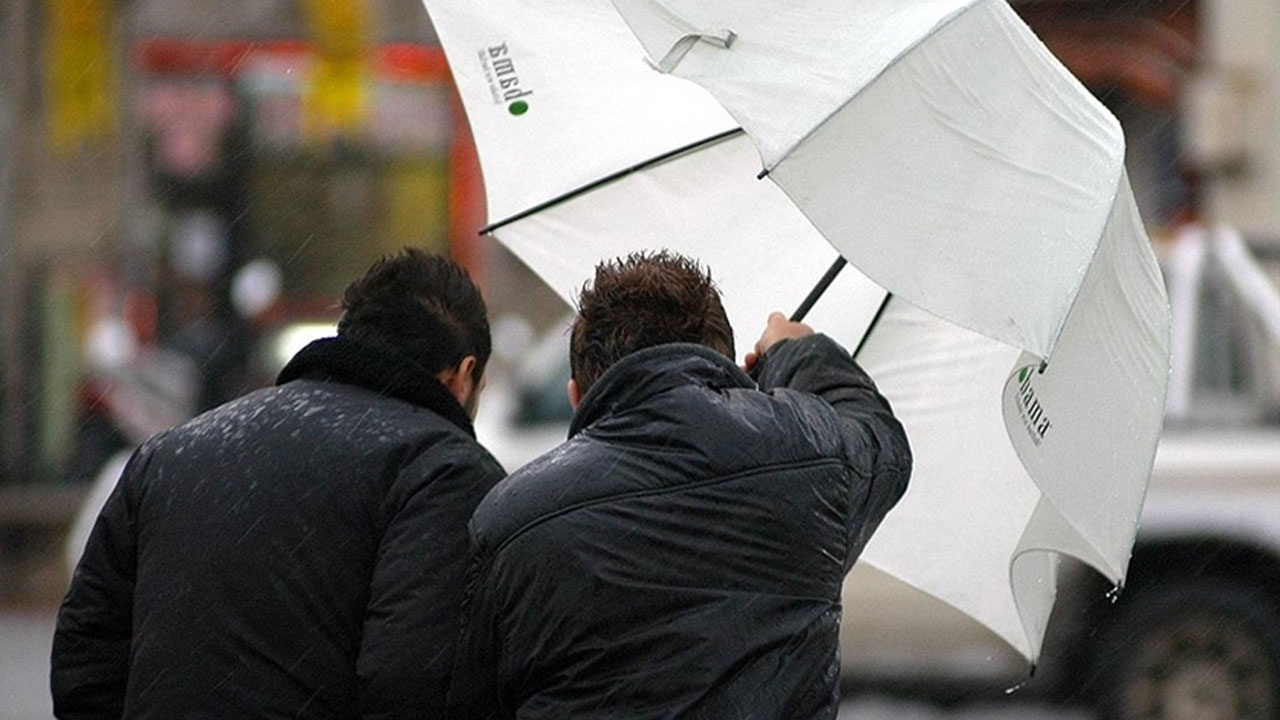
(682, 554)
(298, 553)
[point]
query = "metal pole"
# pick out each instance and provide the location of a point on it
(15, 106)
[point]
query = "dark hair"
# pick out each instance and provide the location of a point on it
(422, 304)
(642, 300)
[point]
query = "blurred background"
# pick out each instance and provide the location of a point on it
(186, 187)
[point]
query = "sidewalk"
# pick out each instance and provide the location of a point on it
(25, 637)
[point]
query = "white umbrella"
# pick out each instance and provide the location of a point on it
(1019, 237)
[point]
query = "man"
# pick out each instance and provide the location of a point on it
(682, 555)
(298, 552)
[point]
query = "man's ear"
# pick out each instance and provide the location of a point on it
(458, 381)
(467, 367)
(575, 397)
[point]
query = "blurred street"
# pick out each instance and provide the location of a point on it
(24, 657)
(879, 708)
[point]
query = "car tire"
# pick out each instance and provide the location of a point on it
(1193, 650)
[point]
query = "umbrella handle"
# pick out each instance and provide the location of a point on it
(823, 283)
(822, 286)
(818, 289)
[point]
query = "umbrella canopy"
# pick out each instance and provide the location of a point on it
(984, 188)
(934, 143)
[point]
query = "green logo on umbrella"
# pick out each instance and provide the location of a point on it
(504, 81)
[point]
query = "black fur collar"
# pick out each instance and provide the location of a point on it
(379, 368)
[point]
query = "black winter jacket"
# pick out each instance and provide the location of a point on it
(296, 553)
(682, 555)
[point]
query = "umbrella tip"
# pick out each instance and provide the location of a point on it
(763, 173)
(1044, 365)
(1019, 686)
(1114, 593)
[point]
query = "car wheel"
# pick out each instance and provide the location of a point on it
(1200, 650)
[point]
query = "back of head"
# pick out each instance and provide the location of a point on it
(421, 304)
(642, 300)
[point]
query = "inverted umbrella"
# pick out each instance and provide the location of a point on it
(1006, 244)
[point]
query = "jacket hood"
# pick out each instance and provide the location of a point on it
(379, 368)
(654, 370)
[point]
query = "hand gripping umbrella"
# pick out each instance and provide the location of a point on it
(945, 153)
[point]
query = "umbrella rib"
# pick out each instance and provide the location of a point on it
(874, 321)
(697, 145)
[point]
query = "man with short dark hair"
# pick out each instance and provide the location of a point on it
(298, 552)
(682, 554)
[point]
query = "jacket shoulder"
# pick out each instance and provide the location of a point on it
(551, 484)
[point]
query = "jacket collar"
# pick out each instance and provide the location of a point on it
(379, 368)
(651, 371)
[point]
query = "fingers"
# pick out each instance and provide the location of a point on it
(778, 328)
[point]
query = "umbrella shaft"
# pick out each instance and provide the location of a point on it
(818, 289)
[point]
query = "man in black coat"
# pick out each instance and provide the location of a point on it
(682, 555)
(298, 552)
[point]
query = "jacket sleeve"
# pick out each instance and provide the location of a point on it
(411, 625)
(90, 660)
(876, 446)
